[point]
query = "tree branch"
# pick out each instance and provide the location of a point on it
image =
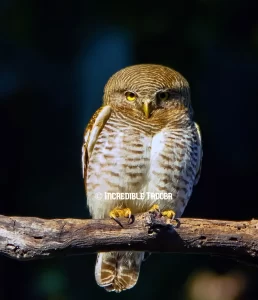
(25, 238)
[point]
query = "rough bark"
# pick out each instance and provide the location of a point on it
(26, 238)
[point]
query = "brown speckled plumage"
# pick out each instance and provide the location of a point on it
(125, 151)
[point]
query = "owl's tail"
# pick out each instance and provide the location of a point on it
(118, 271)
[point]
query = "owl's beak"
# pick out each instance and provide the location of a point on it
(147, 108)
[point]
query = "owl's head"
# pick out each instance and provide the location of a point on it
(148, 91)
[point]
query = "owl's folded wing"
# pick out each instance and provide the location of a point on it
(199, 166)
(91, 133)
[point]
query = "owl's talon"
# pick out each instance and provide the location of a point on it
(170, 214)
(178, 223)
(131, 219)
(121, 212)
(155, 211)
(118, 222)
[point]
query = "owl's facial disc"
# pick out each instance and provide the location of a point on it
(147, 107)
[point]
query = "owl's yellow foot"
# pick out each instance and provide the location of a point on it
(170, 214)
(119, 212)
(154, 208)
(166, 213)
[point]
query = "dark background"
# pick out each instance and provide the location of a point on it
(55, 58)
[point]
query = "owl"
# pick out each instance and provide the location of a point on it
(141, 140)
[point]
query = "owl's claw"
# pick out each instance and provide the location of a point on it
(121, 212)
(170, 214)
(155, 210)
(166, 213)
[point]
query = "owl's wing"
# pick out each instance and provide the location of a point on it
(199, 166)
(91, 133)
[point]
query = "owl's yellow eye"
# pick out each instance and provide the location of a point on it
(163, 96)
(130, 96)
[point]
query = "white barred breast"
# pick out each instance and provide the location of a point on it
(129, 157)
